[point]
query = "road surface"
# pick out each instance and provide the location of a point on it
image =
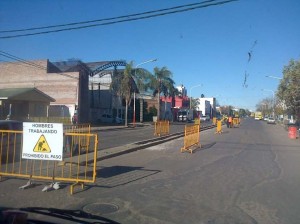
(245, 175)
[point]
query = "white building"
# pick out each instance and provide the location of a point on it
(182, 90)
(207, 106)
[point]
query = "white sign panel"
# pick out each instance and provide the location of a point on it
(42, 141)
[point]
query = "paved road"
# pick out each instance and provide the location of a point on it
(111, 137)
(245, 175)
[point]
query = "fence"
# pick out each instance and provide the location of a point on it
(78, 166)
(162, 128)
(77, 128)
(191, 138)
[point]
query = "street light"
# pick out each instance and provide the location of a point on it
(191, 93)
(273, 100)
(151, 60)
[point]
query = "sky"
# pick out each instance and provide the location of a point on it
(223, 51)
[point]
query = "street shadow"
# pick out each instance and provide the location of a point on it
(115, 176)
(108, 172)
(207, 146)
(202, 147)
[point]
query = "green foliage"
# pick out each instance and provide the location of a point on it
(161, 82)
(195, 102)
(127, 82)
(289, 87)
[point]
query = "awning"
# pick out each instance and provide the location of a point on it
(24, 94)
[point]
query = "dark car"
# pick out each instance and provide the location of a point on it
(10, 140)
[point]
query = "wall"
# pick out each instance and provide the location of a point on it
(67, 88)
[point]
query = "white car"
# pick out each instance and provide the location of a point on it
(204, 118)
(271, 120)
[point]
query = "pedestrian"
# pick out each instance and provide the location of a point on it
(230, 121)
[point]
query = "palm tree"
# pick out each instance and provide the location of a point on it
(128, 82)
(161, 82)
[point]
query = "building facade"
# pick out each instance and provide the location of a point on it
(207, 106)
(65, 82)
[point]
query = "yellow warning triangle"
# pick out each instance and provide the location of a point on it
(42, 145)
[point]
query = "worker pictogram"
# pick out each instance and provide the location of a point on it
(42, 145)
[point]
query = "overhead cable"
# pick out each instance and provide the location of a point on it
(115, 20)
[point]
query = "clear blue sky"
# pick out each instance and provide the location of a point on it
(207, 46)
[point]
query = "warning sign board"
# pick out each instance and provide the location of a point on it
(42, 141)
(42, 145)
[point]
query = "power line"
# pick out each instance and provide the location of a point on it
(120, 19)
(7, 55)
(107, 19)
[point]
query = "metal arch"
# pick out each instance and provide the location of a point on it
(108, 65)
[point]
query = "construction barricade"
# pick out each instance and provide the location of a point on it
(191, 137)
(77, 128)
(78, 165)
(197, 121)
(219, 127)
(235, 122)
(83, 141)
(161, 128)
(214, 121)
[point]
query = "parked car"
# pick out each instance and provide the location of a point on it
(11, 125)
(106, 118)
(271, 120)
(119, 120)
(204, 118)
(10, 141)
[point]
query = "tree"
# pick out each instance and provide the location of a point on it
(266, 106)
(128, 82)
(161, 82)
(195, 103)
(289, 88)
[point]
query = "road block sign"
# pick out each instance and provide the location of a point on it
(42, 141)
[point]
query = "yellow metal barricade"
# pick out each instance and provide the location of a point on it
(78, 128)
(83, 141)
(162, 128)
(78, 166)
(219, 127)
(191, 137)
(214, 120)
(236, 122)
(197, 121)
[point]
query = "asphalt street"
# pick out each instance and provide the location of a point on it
(245, 175)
